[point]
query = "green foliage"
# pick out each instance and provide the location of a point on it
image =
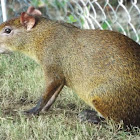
(82, 21)
(36, 3)
(60, 4)
(135, 38)
(114, 2)
(71, 19)
(105, 24)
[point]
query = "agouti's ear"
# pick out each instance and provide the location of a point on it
(27, 20)
(32, 11)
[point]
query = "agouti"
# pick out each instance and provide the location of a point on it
(102, 67)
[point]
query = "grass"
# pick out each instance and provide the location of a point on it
(21, 85)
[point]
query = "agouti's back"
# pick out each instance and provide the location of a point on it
(102, 67)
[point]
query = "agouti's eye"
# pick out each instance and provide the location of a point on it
(7, 30)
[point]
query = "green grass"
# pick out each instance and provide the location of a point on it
(21, 85)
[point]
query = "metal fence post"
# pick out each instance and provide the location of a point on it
(3, 6)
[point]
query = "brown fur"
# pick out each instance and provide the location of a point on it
(102, 67)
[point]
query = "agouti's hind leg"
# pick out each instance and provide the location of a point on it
(90, 116)
(48, 98)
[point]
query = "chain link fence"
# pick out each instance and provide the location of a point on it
(118, 15)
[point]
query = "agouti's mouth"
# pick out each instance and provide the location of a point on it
(3, 50)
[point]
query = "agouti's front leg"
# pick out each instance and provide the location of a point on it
(51, 93)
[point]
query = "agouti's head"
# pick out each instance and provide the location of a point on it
(15, 33)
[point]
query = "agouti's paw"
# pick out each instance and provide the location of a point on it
(32, 111)
(35, 110)
(90, 116)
